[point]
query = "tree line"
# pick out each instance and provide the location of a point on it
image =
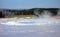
(31, 11)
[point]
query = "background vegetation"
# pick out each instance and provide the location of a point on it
(30, 11)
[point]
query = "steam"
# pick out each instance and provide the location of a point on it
(58, 13)
(43, 19)
(46, 14)
(36, 13)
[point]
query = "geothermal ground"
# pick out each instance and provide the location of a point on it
(35, 27)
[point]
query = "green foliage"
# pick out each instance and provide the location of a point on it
(31, 11)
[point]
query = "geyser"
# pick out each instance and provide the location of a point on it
(44, 19)
(46, 14)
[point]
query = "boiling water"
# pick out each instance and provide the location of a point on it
(42, 26)
(41, 21)
(44, 19)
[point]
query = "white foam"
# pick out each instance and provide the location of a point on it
(42, 20)
(22, 22)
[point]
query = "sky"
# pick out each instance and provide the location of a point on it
(27, 4)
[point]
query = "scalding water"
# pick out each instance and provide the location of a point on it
(44, 19)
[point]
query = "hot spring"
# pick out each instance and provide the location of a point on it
(44, 19)
(43, 25)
